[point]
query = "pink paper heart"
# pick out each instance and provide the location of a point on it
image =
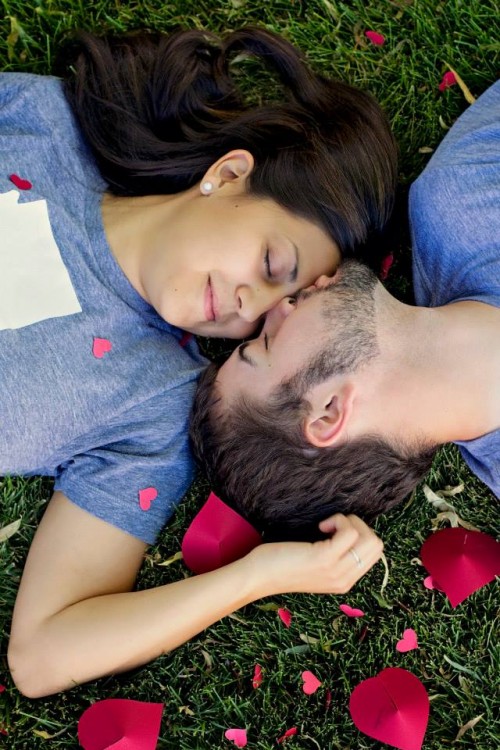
(146, 497)
(461, 561)
(375, 38)
(2, 688)
(257, 676)
(351, 611)
(385, 266)
(217, 536)
(20, 183)
(285, 617)
(447, 80)
(431, 584)
(289, 733)
(311, 683)
(120, 723)
(392, 707)
(408, 642)
(100, 347)
(238, 736)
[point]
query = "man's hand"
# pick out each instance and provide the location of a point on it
(331, 566)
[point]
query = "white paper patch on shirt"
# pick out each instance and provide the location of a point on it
(34, 282)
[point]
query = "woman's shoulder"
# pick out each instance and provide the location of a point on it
(28, 99)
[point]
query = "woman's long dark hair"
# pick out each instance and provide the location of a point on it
(159, 110)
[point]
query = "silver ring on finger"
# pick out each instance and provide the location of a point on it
(359, 561)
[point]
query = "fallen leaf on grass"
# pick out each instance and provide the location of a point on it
(285, 616)
(7, 531)
(268, 607)
(15, 32)
(309, 639)
(208, 660)
(470, 724)
(185, 710)
(170, 560)
(238, 736)
(289, 733)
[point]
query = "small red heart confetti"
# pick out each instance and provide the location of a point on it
(392, 707)
(238, 736)
(461, 561)
(285, 616)
(2, 688)
(146, 497)
(408, 642)
(257, 676)
(375, 38)
(431, 584)
(449, 79)
(3, 731)
(185, 339)
(120, 722)
(351, 611)
(100, 347)
(20, 183)
(385, 266)
(311, 683)
(289, 733)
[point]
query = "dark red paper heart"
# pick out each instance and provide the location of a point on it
(218, 535)
(392, 707)
(461, 561)
(119, 722)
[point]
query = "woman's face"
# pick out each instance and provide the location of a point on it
(221, 261)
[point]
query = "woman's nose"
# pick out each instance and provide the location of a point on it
(253, 303)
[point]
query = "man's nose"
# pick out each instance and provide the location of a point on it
(277, 315)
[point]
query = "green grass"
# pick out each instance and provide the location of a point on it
(206, 684)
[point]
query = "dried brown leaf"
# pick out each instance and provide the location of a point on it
(469, 97)
(470, 724)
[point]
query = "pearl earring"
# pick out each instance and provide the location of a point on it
(207, 187)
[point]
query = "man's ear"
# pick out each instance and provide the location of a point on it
(232, 169)
(331, 409)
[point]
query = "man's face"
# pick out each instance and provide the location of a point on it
(325, 317)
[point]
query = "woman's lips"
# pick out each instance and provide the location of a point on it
(209, 301)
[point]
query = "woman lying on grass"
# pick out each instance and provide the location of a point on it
(139, 199)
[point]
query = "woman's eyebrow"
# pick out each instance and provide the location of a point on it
(244, 357)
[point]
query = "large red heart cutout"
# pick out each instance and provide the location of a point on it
(392, 707)
(461, 561)
(218, 535)
(120, 723)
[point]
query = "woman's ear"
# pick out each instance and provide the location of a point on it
(231, 170)
(331, 409)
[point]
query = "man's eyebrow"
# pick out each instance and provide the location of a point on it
(244, 357)
(295, 271)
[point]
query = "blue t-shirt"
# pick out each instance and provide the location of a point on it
(455, 219)
(95, 387)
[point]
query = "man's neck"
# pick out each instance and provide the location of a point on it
(440, 377)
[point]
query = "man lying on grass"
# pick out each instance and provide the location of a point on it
(341, 401)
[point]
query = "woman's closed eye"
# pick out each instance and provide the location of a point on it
(280, 269)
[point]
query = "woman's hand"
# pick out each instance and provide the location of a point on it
(330, 566)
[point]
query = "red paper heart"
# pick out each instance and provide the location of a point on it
(285, 617)
(375, 38)
(257, 676)
(146, 497)
(238, 736)
(120, 723)
(408, 642)
(311, 683)
(449, 79)
(100, 347)
(20, 183)
(461, 561)
(289, 733)
(392, 707)
(351, 611)
(218, 535)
